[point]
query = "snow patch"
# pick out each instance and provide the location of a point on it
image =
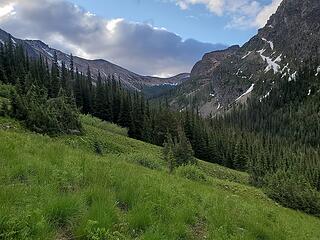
(283, 75)
(219, 106)
(59, 63)
(1, 41)
(265, 96)
(246, 55)
(309, 92)
(318, 71)
(239, 71)
(50, 54)
(272, 64)
(169, 84)
(270, 43)
(246, 93)
(211, 94)
(285, 67)
(293, 76)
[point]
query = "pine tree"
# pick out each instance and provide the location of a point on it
(100, 106)
(55, 78)
(168, 152)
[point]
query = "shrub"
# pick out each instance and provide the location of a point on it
(4, 106)
(6, 90)
(191, 172)
(52, 116)
(98, 148)
(294, 191)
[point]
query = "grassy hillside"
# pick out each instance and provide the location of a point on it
(103, 185)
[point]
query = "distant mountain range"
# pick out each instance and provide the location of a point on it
(225, 78)
(37, 48)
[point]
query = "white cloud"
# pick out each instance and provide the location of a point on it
(139, 47)
(266, 12)
(243, 13)
(6, 10)
(215, 6)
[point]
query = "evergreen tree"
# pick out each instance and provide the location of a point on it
(55, 78)
(168, 152)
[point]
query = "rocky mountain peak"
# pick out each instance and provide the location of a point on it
(131, 80)
(223, 79)
(210, 61)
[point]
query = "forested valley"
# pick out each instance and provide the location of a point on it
(275, 139)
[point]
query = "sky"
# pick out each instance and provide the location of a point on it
(149, 37)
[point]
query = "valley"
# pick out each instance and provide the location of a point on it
(90, 150)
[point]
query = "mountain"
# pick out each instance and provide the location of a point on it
(37, 48)
(210, 61)
(223, 79)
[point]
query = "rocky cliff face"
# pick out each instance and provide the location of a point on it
(36, 48)
(210, 61)
(289, 39)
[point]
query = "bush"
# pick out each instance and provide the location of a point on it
(51, 116)
(191, 172)
(6, 90)
(98, 148)
(4, 106)
(293, 191)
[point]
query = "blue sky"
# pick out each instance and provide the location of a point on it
(196, 22)
(149, 37)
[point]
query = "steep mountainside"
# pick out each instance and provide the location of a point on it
(35, 48)
(290, 38)
(210, 61)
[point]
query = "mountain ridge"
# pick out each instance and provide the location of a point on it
(290, 38)
(129, 79)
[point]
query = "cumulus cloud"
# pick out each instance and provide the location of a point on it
(243, 13)
(266, 12)
(139, 47)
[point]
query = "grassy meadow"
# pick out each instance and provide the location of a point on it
(104, 185)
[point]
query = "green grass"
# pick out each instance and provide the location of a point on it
(60, 188)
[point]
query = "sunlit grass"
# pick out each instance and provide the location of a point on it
(60, 188)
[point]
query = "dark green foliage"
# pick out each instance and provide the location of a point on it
(43, 115)
(275, 137)
(279, 143)
(183, 152)
(98, 148)
(178, 152)
(55, 79)
(294, 191)
(36, 95)
(168, 153)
